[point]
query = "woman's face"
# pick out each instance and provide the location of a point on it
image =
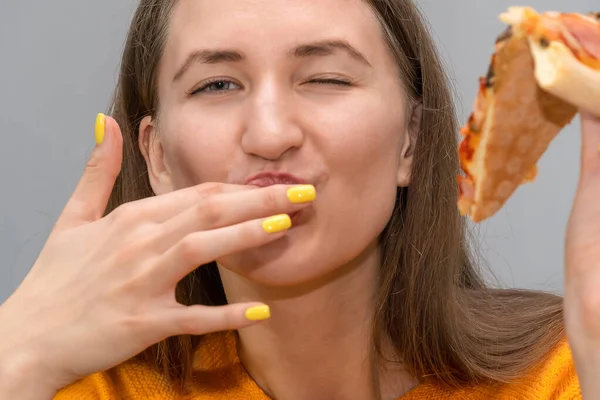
(305, 88)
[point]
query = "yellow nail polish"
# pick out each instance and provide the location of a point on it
(278, 223)
(302, 194)
(100, 128)
(258, 313)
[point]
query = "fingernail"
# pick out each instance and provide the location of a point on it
(100, 128)
(302, 194)
(278, 223)
(258, 313)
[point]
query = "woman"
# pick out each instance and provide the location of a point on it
(310, 148)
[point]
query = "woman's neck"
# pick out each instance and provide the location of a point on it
(318, 343)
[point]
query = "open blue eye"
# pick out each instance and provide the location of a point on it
(218, 85)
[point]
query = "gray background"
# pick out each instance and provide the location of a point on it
(58, 64)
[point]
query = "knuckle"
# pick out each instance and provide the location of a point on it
(209, 213)
(207, 190)
(124, 255)
(228, 319)
(190, 325)
(248, 235)
(148, 240)
(97, 166)
(270, 200)
(134, 284)
(189, 249)
(154, 237)
(131, 322)
(141, 245)
(137, 286)
(93, 164)
(130, 215)
(125, 213)
(134, 322)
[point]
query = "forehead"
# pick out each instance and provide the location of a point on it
(268, 27)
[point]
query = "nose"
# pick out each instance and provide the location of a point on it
(271, 130)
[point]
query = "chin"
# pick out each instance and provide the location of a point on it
(302, 260)
(315, 251)
(292, 260)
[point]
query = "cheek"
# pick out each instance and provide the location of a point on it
(365, 132)
(363, 151)
(362, 143)
(197, 148)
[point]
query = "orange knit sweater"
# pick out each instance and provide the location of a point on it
(220, 376)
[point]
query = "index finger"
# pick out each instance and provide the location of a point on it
(165, 206)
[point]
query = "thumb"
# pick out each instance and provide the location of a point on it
(90, 197)
(590, 149)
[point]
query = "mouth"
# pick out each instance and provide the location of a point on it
(294, 216)
(265, 179)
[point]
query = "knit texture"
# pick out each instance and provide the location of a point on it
(219, 375)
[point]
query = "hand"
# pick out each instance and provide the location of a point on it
(582, 275)
(102, 289)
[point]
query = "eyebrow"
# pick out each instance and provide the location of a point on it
(209, 57)
(327, 48)
(314, 49)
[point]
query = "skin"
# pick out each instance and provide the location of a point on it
(94, 317)
(351, 142)
(269, 113)
(582, 263)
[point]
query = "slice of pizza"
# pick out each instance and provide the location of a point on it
(545, 67)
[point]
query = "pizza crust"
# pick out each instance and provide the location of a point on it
(560, 73)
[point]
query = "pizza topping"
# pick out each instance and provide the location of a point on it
(544, 43)
(577, 32)
(585, 31)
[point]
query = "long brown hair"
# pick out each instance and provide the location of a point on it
(434, 307)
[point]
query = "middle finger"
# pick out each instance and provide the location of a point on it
(233, 208)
